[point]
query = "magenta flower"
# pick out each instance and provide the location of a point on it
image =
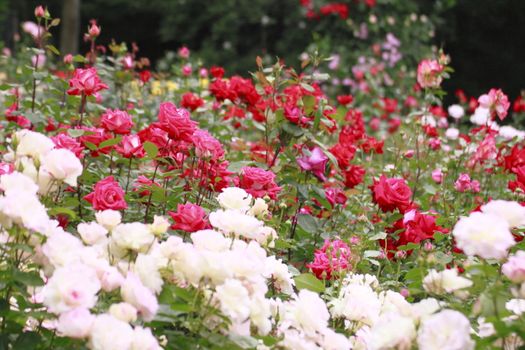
(315, 162)
(333, 257)
(85, 81)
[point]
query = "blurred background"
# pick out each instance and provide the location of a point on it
(483, 37)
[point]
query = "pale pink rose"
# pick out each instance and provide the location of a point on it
(514, 268)
(136, 294)
(429, 74)
(75, 323)
(437, 176)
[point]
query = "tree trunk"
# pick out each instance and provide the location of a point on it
(70, 27)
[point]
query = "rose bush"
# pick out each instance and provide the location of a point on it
(145, 210)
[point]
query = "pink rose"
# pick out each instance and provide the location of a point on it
(130, 146)
(207, 146)
(437, 176)
(67, 142)
(496, 101)
(514, 268)
(315, 162)
(189, 217)
(107, 194)
(332, 257)
(85, 81)
(429, 74)
(258, 182)
(116, 121)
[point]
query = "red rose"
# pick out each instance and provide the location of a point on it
(107, 194)
(95, 136)
(217, 72)
(345, 99)
(116, 121)
(258, 182)
(189, 217)
(391, 194)
(354, 176)
(191, 101)
(176, 122)
(154, 135)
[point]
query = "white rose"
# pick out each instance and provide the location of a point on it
(236, 223)
(135, 293)
(485, 235)
(446, 330)
(307, 312)
(481, 116)
(516, 306)
(512, 212)
(32, 144)
(92, 233)
(452, 133)
(108, 218)
(446, 281)
(75, 323)
(210, 240)
(391, 331)
(143, 339)
(358, 303)
(235, 198)
(134, 236)
(335, 341)
(110, 333)
(509, 132)
(63, 165)
(147, 269)
(124, 312)
(72, 286)
(456, 111)
(159, 226)
(62, 248)
(234, 299)
(17, 182)
(259, 208)
(25, 209)
(111, 279)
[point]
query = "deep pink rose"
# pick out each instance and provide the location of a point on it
(176, 122)
(315, 162)
(258, 182)
(189, 217)
(130, 146)
(207, 146)
(116, 121)
(85, 81)
(333, 257)
(68, 142)
(429, 74)
(107, 194)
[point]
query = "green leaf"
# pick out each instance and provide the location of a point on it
(307, 223)
(75, 132)
(60, 210)
(151, 149)
(310, 282)
(309, 103)
(28, 278)
(53, 49)
(110, 142)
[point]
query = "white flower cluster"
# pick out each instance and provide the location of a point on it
(385, 320)
(35, 155)
(487, 234)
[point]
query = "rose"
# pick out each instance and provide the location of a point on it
(130, 146)
(176, 122)
(429, 74)
(63, 165)
(258, 182)
(191, 101)
(189, 217)
(85, 81)
(207, 146)
(391, 194)
(107, 194)
(67, 142)
(354, 176)
(514, 268)
(116, 121)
